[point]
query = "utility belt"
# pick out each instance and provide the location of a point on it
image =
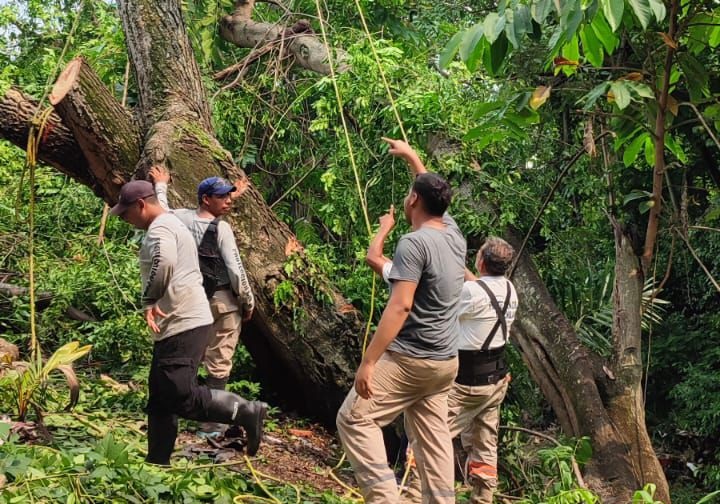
(481, 367)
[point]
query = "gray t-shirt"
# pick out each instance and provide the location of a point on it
(435, 260)
(171, 277)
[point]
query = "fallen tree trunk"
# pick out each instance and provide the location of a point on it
(104, 129)
(299, 39)
(58, 147)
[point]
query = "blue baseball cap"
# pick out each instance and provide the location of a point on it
(214, 186)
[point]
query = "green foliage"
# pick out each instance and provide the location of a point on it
(27, 380)
(547, 472)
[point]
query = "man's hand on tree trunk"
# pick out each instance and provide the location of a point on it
(158, 173)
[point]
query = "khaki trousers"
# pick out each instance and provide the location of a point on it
(225, 334)
(418, 388)
(474, 415)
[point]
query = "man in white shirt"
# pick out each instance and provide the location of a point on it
(178, 314)
(487, 310)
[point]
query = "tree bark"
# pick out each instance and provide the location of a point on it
(58, 147)
(299, 40)
(626, 404)
(103, 128)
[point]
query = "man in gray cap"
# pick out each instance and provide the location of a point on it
(224, 278)
(178, 314)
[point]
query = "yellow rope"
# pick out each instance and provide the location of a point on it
(35, 135)
(351, 153)
(382, 72)
(255, 474)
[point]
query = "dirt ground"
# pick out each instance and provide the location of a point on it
(303, 455)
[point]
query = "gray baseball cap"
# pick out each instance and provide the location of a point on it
(130, 193)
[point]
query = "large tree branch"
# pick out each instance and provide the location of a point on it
(298, 39)
(103, 128)
(58, 147)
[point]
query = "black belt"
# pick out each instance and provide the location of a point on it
(478, 367)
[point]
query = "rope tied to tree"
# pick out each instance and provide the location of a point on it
(36, 136)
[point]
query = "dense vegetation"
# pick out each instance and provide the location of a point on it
(502, 123)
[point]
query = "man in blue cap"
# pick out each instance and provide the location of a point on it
(224, 278)
(178, 314)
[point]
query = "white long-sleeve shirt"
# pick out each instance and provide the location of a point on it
(171, 277)
(234, 272)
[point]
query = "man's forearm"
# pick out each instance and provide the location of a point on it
(416, 165)
(375, 249)
(387, 330)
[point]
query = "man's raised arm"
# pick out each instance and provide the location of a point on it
(402, 149)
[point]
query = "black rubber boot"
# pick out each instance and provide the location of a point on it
(216, 383)
(213, 429)
(162, 431)
(229, 408)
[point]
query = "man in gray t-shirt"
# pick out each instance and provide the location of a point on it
(411, 362)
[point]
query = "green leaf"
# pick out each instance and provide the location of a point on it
(451, 49)
(636, 195)
(595, 93)
(540, 10)
(592, 48)
(658, 9)
(613, 11)
(570, 51)
(571, 20)
(486, 107)
(640, 89)
(522, 21)
(621, 94)
(632, 150)
(470, 47)
(510, 28)
(675, 148)
(695, 75)
(649, 152)
(493, 26)
(494, 56)
(709, 497)
(604, 33)
(641, 8)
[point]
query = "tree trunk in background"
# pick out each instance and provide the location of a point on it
(584, 399)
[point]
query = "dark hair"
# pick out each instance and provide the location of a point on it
(497, 255)
(434, 191)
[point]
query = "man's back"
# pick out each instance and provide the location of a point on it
(435, 259)
(171, 277)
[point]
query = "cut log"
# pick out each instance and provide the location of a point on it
(58, 147)
(299, 39)
(103, 128)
